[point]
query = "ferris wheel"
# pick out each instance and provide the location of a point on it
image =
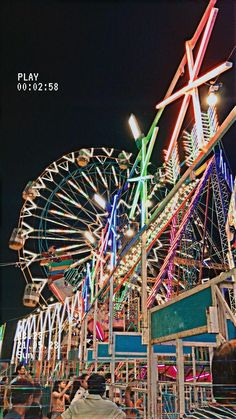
(65, 211)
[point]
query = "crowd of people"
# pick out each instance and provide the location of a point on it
(82, 397)
(85, 396)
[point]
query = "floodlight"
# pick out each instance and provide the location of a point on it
(133, 123)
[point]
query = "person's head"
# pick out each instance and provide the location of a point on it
(59, 385)
(108, 377)
(52, 249)
(224, 373)
(96, 384)
(4, 380)
(20, 370)
(21, 393)
(75, 388)
(84, 381)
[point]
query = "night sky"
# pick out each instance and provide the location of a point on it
(109, 59)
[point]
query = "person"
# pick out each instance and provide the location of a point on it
(131, 411)
(79, 389)
(4, 381)
(224, 384)
(4, 403)
(74, 390)
(108, 382)
(35, 410)
(59, 397)
(21, 373)
(93, 405)
(21, 399)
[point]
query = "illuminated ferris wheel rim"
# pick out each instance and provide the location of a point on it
(47, 177)
(62, 167)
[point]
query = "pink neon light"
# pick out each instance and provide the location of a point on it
(207, 21)
(151, 244)
(195, 83)
(193, 72)
(178, 125)
(205, 40)
(203, 22)
(207, 374)
(174, 244)
(171, 267)
(99, 332)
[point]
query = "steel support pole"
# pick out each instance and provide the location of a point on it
(152, 393)
(145, 334)
(180, 376)
(94, 324)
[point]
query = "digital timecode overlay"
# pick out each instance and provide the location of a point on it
(30, 82)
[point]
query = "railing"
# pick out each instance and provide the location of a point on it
(196, 395)
(167, 406)
(139, 398)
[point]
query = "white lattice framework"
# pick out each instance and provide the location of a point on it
(45, 328)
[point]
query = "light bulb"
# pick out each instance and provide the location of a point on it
(212, 99)
(89, 236)
(129, 232)
(100, 201)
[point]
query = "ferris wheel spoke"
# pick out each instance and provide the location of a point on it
(53, 221)
(61, 213)
(89, 180)
(67, 196)
(115, 176)
(62, 208)
(89, 213)
(76, 186)
(60, 231)
(87, 195)
(104, 180)
(53, 238)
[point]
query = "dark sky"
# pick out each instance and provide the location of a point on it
(109, 59)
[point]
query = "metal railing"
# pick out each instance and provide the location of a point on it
(196, 395)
